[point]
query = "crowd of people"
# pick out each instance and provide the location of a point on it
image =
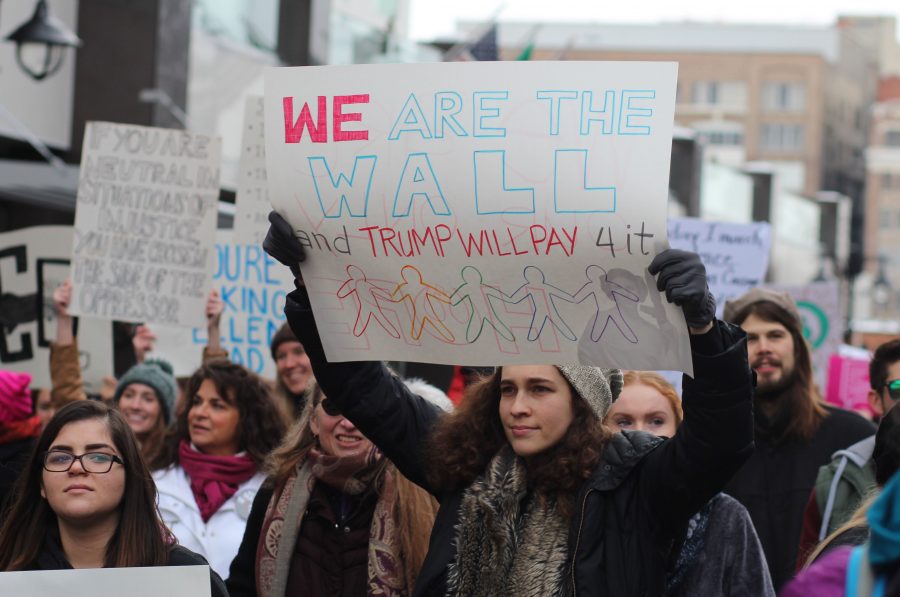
(342, 478)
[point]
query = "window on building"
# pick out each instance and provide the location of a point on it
(884, 219)
(781, 137)
(892, 138)
(731, 95)
(886, 181)
(784, 97)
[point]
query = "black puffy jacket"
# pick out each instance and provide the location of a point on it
(627, 513)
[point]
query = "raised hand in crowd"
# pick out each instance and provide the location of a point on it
(283, 246)
(214, 308)
(143, 341)
(62, 298)
(682, 276)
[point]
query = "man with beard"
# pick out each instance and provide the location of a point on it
(796, 432)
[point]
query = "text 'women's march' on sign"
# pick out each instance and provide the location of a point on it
(486, 213)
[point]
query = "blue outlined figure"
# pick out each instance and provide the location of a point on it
(606, 294)
(421, 295)
(543, 309)
(479, 296)
(418, 180)
(571, 192)
(630, 111)
(367, 294)
(492, 195)
(411, 119)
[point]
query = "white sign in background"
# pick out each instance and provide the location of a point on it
(252, 202)
(172, 581)
(736, 256)
(145, 223)
(253, 287)
(33, 262)
(480, 213)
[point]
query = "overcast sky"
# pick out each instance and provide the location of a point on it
(432, 19)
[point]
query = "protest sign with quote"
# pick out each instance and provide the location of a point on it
(482, 213)
(823, 326)
(145, 222)
(736, 256)
(253, 287)
(33, 262)
(252, 202)
(150, 581)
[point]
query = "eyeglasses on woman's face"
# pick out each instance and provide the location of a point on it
(58, 461)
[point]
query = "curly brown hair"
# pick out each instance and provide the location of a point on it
(463, 443)
(261, 425)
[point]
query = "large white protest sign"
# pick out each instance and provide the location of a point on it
(145, 222)
(482, 213)
(736, 256)
(33, 262)
(823, 326)
(171, 581)
(253, 287)
(252, 201)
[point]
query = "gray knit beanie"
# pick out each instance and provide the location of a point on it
(598, 387)
(157, 374)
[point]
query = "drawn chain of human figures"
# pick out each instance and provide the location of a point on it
(614, 297)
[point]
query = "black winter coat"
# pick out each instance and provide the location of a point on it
(627, 513)
(52, 557)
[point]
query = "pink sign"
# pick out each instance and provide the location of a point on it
(848, 383)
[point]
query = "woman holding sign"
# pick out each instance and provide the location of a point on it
(537, 497)
(209, 470)
(85, 500)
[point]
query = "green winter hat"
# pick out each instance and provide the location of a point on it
(598, 387)
(157, 374)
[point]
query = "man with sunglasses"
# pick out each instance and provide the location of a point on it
(795, 431)
(850, 476)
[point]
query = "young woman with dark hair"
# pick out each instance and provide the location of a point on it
(536, 496)
(209, 469)
(86, 500)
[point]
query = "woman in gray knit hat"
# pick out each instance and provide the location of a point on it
(536, 497)
(146, 397)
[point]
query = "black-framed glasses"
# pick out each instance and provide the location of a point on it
(331, 409)
(57, 461)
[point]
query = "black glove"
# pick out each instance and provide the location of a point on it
(282, 245)
(683, 277)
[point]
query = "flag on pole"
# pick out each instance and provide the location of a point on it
(483, 49)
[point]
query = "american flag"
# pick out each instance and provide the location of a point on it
(485, 48)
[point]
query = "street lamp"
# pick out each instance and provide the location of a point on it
(881, 287)
(43, 30)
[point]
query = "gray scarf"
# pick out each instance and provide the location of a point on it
(506, 542)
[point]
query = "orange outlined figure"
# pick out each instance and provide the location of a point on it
(368, 308)
(543, 309)
(606, 294)
(420, 295)
(479, 296)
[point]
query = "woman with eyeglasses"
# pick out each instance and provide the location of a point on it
(335, 516)
(209, 469)
(86, 500)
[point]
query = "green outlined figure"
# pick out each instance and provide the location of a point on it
(606, 294)
(479, 296)
(540, 294)
(368, 308)
(421, 295)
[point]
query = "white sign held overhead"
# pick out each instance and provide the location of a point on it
(145, 223)
(480, 213)
(252, 203)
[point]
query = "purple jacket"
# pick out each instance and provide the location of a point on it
(827, 577)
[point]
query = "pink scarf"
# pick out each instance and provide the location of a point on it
(214, 479)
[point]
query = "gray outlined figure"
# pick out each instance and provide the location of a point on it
(606, 294)
(421, 295)
(479, 295)
(366, 293)
(543, 309)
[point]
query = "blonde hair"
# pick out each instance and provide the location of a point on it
(414, 510)
(658, 383)
(857, 521)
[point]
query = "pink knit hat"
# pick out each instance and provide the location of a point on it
(15, 397)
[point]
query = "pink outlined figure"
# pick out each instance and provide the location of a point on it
(606, 294)
(420, 296)
(368, 308)
(541, 294)
(479, 296)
